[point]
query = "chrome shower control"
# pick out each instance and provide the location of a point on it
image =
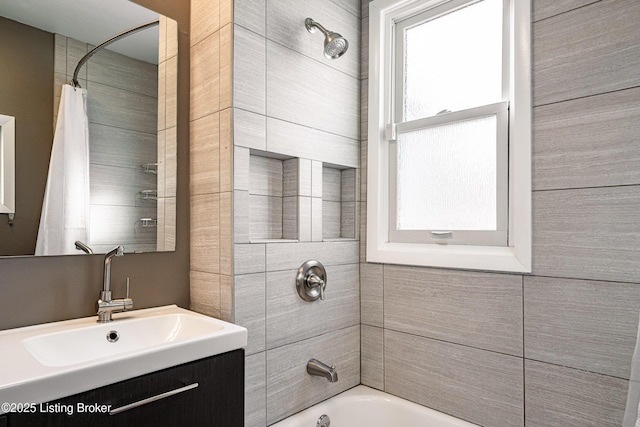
(311, 280)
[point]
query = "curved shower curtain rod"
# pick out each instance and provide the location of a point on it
(74, 81)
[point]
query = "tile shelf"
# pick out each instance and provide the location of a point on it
(298, 200)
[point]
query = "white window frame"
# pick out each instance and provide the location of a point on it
(516, 256)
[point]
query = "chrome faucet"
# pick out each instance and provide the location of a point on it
(316, 367)
(106, 305)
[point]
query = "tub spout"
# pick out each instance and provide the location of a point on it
(316, 367)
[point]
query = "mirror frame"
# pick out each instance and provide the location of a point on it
(7, 164)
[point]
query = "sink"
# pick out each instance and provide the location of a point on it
(50, 361)
(102, 341)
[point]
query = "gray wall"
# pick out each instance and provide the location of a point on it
(553, 348)
(289, 102)
(45, 289)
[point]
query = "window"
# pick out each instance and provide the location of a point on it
(450, 134)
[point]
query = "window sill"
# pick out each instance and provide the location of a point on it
(492, 258)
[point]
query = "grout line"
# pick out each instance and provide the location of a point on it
(577, 98)
(585, 188)
(564, 12)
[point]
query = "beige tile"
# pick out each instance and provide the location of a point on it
(162, 99)
(226, 12)
(205, 19)
(205, 293)
(172, 38)
(226, 151)
(171, 162)
(205, 77)
(205, 233)
(226, 50)
(205, 155)
(171, 109)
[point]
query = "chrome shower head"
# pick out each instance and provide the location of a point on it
(334, 44)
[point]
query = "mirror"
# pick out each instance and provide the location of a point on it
(7, 164)
(131, 107)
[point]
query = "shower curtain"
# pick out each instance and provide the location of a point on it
(632, 413)
(65, 210)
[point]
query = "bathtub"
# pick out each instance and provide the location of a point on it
(362, 406)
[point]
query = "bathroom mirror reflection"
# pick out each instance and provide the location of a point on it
(131, 97)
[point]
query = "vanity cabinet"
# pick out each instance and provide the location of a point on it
(216, 401)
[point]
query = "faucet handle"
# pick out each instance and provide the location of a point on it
(127, 292)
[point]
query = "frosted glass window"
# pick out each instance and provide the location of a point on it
(454, 61)
(446, 177)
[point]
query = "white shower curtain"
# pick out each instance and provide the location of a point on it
(632, 413)
(65, 210)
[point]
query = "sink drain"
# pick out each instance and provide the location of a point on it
(113, 336)
(323, 421)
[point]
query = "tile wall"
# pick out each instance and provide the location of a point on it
(167, 133)
(210, 158)
(548, 349)
(553, 348)
(296, 158)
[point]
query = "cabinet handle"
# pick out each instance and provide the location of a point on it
(152, 399)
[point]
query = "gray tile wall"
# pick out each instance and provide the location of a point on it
(293, 111)
(553, 348)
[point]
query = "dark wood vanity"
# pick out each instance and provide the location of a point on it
(216, 401)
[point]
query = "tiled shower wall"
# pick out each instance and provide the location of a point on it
(553, 348)
(122, 140)
(167, 133)
(294, 114)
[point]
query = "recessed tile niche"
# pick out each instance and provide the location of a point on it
(338, 202)
(273, 190)
(293, 199)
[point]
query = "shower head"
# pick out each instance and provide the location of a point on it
(334, 44)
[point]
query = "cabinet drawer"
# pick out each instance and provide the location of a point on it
(207, 392)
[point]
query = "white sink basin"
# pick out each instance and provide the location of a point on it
(46, 362)
(79, 345)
